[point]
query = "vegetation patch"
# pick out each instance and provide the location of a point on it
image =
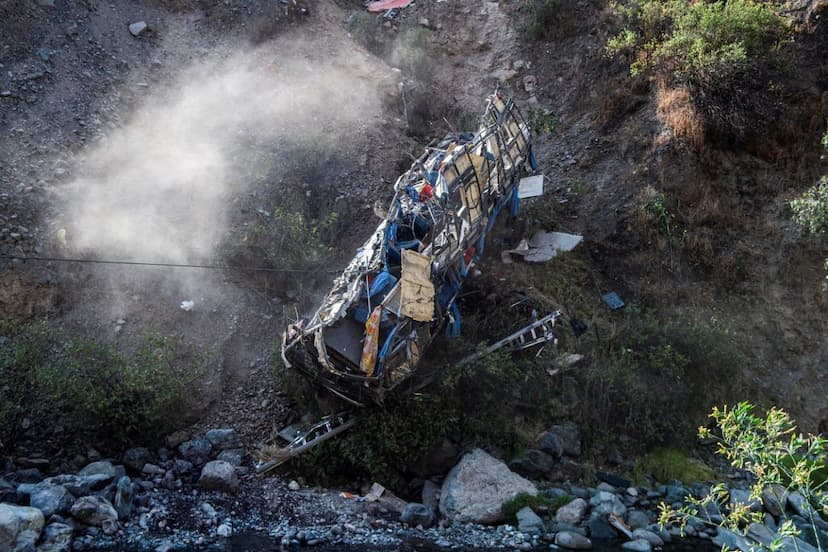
(91, 388)
(719, 52)
(667, 464)
(510, 508)
(810, 210)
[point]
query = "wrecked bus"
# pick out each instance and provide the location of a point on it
(400, 290)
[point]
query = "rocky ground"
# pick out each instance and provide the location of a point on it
(195, 493)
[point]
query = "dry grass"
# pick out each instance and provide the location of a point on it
(674, 108)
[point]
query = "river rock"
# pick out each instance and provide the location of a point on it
(569, 435)
(637, 519)
(136, 458)
(775, 499)
(476, 488)
(101, 468)
(232, 456)
(572, 541)
(572, 513)
(14, 520)
(124, 495)
(649, 536)
(196, 451)
(93, 510)
(431, 495)
(550, 443)
(8, 492)
(415, 514)
(57, 537)
(534, 463)
(604, 502)
(599, 528)
(219, 476)
(638, 545)
(742, 497)
(529, 522)
(51, 499)
(222, 439)
(799, 504)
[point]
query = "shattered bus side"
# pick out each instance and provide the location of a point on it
(400, 289)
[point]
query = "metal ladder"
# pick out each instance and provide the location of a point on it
(540, 331)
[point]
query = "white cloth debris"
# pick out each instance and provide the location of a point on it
(187, 305)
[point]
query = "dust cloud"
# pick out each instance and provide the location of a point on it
(160, 188)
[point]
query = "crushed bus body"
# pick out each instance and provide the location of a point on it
(400, 289)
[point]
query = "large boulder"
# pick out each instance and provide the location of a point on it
(572, 541)
(222, 439)
(219, 475)
(572, 513)
(94, 510)
(100, 469)
(15, 520)
(605, 502)
(476, 488)
(51, 499)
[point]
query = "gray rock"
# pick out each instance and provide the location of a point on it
(57, 537)
(534, 463)
(431, 495)
(124, 495)
(570, 437)
(137, 28)
(14, 520)
(100, 468)
(415, 514)
(742, 497)
(572, 513)
(799, 504)
(638, 545)
(28, 475)
(153, 469)
(476, 488)
(529, 522)
(649, 536)
(605, 502)
(550, 443)
(196, 451)
(232, 456)
(26, 541)
(675, 493)
(572, 541)
(219, 476)
(637, 519)
(600, 529)
(182, 467)
(224, 530)
(51, 499)
(775, 499)
(136, 458)
(93, 510)
(8, 492)
(223, 439)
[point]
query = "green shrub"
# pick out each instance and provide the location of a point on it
(692, 39)
(510, 508)
(542, 121)
(89, 387)
(810, 210)
(667, 464)
(771, 450)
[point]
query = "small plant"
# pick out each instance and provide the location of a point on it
(810, 210)
(667, 464)
(511, 507)
(542, 121)
(779, 460)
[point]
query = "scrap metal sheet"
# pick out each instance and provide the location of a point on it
(417, 289)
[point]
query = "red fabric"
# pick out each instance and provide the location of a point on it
(426, 192)
(383, 5)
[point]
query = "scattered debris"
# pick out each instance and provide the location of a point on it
(187, 305)
(543, 247)
(530, 186)
(375, 492)
(564, 363)
(540, 331)
(383, 5)
(137, 28)
(613, 300)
